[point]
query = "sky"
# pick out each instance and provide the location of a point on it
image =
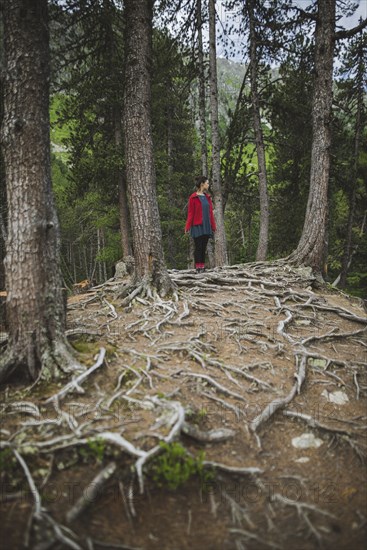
(351, 22)
(228, 18)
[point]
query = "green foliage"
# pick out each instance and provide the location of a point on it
(174, 466)
(197, 416)
(357, 284)
(290, 116)
(175, 143)
(11, 474)
(94, 450)
(8, 461)
(88, 159)
(60, 132)
(83, 346)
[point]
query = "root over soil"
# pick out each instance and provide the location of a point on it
(249, 365)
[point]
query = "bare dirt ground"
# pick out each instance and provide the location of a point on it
(252, 366)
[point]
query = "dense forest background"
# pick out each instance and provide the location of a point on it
(87, 59)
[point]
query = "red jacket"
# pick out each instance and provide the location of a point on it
(195, 212)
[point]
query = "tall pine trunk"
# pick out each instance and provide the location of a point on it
(312, 247)
(3, 212)
(172, 242)
(123, 203)
(35, 306)
(3, 205)
(347, 256)
(220, 236)
(262, 248)
(202, 118)
(202, 93)
(140, 169)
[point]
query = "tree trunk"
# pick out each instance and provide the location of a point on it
(249, 228)
(220, 236)
(346, 260)
(236, 140)
(124, 216)
(3, 231)
(123, 204)
(140, 169)
(312, 247)
(3, 207)
(104, 265)
(35, 305)
(73, 263)
(172, 243)
(202, 94)
(85, 262)
(262, 248)
(202, 117)
(99, 247)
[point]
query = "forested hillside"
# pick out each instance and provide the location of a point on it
(87, 155)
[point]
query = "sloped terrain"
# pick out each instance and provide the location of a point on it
(259, 375)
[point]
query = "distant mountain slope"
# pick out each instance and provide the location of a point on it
(230, 76)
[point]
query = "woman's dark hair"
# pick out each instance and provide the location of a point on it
(199, 180)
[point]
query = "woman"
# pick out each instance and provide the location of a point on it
(200, 220)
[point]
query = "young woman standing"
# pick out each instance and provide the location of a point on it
(200, 220)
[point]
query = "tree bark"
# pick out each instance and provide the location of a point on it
(236, 140)
(312, 247)
(202, 118)
(99, 247)
(262, 248)
(346, 260)
(3, 207)
(123, 201)
(35, 305)
(124, 216)
(3, 231)
(202, 94)
(140, 169)
(220, 236)
(172, 242)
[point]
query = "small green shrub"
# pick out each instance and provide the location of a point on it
(95, 449)
(174, 466)
(197, 416)
(8, 462)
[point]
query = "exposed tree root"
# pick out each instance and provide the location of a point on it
(91, 492)
(277, 404)
(211, 436)
(267, 315)
(341, 433)
(75, 384)
(41, 519)
(8, 365)
(253, 470)
(55, 360)
(147, 288)
(303, 509)
(248, 535)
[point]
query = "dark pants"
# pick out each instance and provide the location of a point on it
(200, 248)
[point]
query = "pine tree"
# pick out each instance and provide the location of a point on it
(221, 257)
(312, 246)
(140, 169)
(35, 306)
(358, 59)
(259, 138)
(88, 42)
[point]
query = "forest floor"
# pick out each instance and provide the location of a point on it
(251, 381)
